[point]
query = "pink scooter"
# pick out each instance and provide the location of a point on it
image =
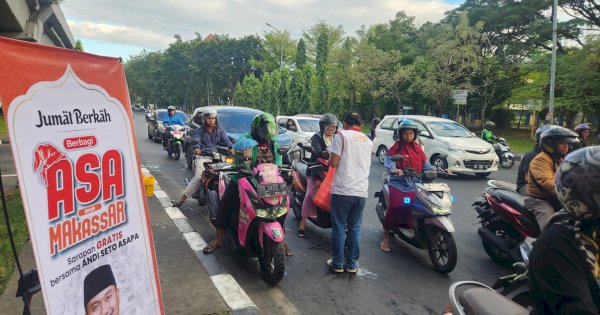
(264, 205)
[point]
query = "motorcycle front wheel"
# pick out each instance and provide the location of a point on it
(442, 250)
(272, 261)
(507, 162)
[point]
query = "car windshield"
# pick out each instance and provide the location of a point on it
(309, 125)
(236, 121)
(449, 129)
(161, 115)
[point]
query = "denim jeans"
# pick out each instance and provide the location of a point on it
(346, 211)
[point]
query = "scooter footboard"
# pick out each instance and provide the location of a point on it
(273, 230)
(443, 222)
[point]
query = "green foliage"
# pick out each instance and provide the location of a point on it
(78, 45)
(18, 224)
(301, 54)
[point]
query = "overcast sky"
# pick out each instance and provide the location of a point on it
(123, 27)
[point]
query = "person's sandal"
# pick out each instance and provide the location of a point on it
(300, 233)
(175, 204)
(210, 248)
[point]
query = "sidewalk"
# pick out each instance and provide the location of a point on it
(186, 286)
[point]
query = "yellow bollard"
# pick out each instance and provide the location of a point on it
(149, 185)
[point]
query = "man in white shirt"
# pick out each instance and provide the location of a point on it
(351, 156)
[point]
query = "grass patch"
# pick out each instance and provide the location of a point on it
(18, 224)
(3, 127)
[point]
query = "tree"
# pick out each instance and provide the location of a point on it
(450, 61)
(335, 37)
(400, 35)
(588, 9)
(270, 52)
(322, 100)
(301, 54)
(283, 92)
(78, 45)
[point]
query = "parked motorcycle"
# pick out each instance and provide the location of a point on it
(148, 115)
(507, 159)
(300, 170)
(176, 141)
(422, 217)
(505, 222)
(263, 208)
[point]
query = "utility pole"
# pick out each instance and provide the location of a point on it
(549, 116)
(280, 58)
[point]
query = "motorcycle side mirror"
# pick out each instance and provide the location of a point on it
(396, 158)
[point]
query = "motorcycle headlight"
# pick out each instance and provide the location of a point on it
(441, 211)
(229, 160)
(272, 213)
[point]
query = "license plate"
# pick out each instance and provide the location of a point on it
(271, 190)
(219, 166)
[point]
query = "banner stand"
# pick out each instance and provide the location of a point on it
(29, 283)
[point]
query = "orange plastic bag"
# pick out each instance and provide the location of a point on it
(323, 196)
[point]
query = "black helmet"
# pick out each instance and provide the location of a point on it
(577, 183)
(490, 124)
(171, 109)
(263, 128)
(326, 120)
(376, 121)
(550, 138)
(405, 124)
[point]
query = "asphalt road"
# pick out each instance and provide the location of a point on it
(400, 282)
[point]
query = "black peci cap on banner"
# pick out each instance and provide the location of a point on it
(96, 281)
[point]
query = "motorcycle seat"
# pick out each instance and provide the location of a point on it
(483, 301)
(513, 199)
(504, 185)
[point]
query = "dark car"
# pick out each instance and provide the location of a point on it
(235, 121)
(155, 123)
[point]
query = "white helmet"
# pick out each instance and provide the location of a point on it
(209, 112)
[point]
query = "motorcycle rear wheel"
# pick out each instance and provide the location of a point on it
(272, 261)
(442, 250)
(296, 206)
(177, 151)
(503, 230)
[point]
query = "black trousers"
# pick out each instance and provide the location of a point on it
(229, 207)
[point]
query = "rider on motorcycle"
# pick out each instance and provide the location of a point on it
(208, 137)
(487, 134)
(541, 199)
(526, 160)
(320, 142)
(564, 262)
(263, 130)
(170, 120)
(413, 157)
(583, 130)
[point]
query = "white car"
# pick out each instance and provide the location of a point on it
(299, 127)
(464, 152)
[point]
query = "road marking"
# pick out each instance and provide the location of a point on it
(234, 296)
(9, 175)
(285, 306)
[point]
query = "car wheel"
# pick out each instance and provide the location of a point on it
(440, 162)
(381, 154)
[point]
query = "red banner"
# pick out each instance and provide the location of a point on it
(73, 142)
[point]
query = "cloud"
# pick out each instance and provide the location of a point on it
(119, 34)
(152, 23)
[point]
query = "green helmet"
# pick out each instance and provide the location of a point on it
(264, 128)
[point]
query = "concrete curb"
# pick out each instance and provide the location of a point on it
(236, 299)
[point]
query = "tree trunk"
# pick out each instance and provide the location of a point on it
(520, 116)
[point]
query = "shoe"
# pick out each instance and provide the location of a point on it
(352, 270)
(332, 268)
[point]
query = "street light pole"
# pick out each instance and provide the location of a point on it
(549, 116)
(280, 58)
